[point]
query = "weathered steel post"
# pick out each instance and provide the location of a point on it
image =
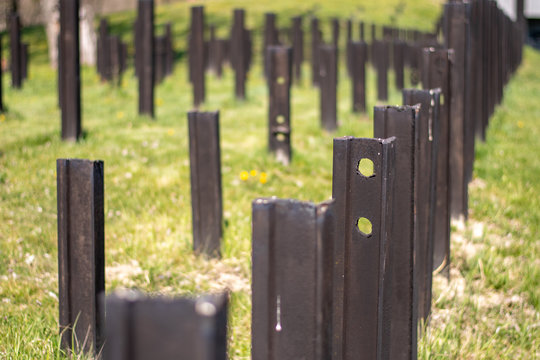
(70, 70)
(239, 53)
(159, 328)
(456, 39)
(298, 48)
(328, 86)
(145, 52)
(270, 38)
(196, 54)
(401, 122)
(363, 190)
(315, 43)
(81, 253)
(15, 50)
(292, 279)
(425, 181)
(279, 112)
(436, 70)
(205, 166)
(358, 72)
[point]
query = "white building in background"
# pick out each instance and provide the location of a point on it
(532, 8)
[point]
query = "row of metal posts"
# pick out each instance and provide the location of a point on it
(345, 279)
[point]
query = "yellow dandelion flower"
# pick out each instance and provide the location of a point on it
(253, 173)
(520, 124)
(170, 132)
(2, 117)
(120, 115)
(263, 178)
(159, 102)
(244, 175)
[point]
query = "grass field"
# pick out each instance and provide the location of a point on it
(489, 309)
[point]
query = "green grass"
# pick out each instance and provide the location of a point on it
(489, 310)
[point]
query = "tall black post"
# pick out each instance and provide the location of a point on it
(298, 48)
(15, 49)
(81, 253)
(70, 70)
(279, 112)
(196, 54)
(328, 86)
(146, 50)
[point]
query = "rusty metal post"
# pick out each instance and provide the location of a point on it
(71, 98)
(315, 44)
(401, 122)
(436, 70)
(140, 327)
(363, 188)
(328, 69)
(270, 38)
(425, 179)
(455, 36)
(279, 112)
(15, 50)
(399, 64)
(81, 253)
(146, 58)
(205, 166)
(239, 52)
(196, 54)
(292, 279)
(358, 71)
(298, 48)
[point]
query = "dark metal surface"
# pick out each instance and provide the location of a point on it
(71, 86)
(81, 252)
(15, 49)
(1, 83)
(205, 166)
(381, 60)
(328, 70)
(455, 37)
(146, 57)
(196, 54)
(315, 43)
(361, 261)
(401, 122)
(425, 181)
(270, 38)
(436, 74)
(279, 111)
(398, 57)
(158, 328)
(103, 56)
(24, 61)
(298, 48)
(358, 51)
(239, 53)
(169, 56)
(292, 279)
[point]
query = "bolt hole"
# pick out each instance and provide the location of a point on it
(366, 167)
(281, 80)
(280, 119)
(365, 226)
(280, 137)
